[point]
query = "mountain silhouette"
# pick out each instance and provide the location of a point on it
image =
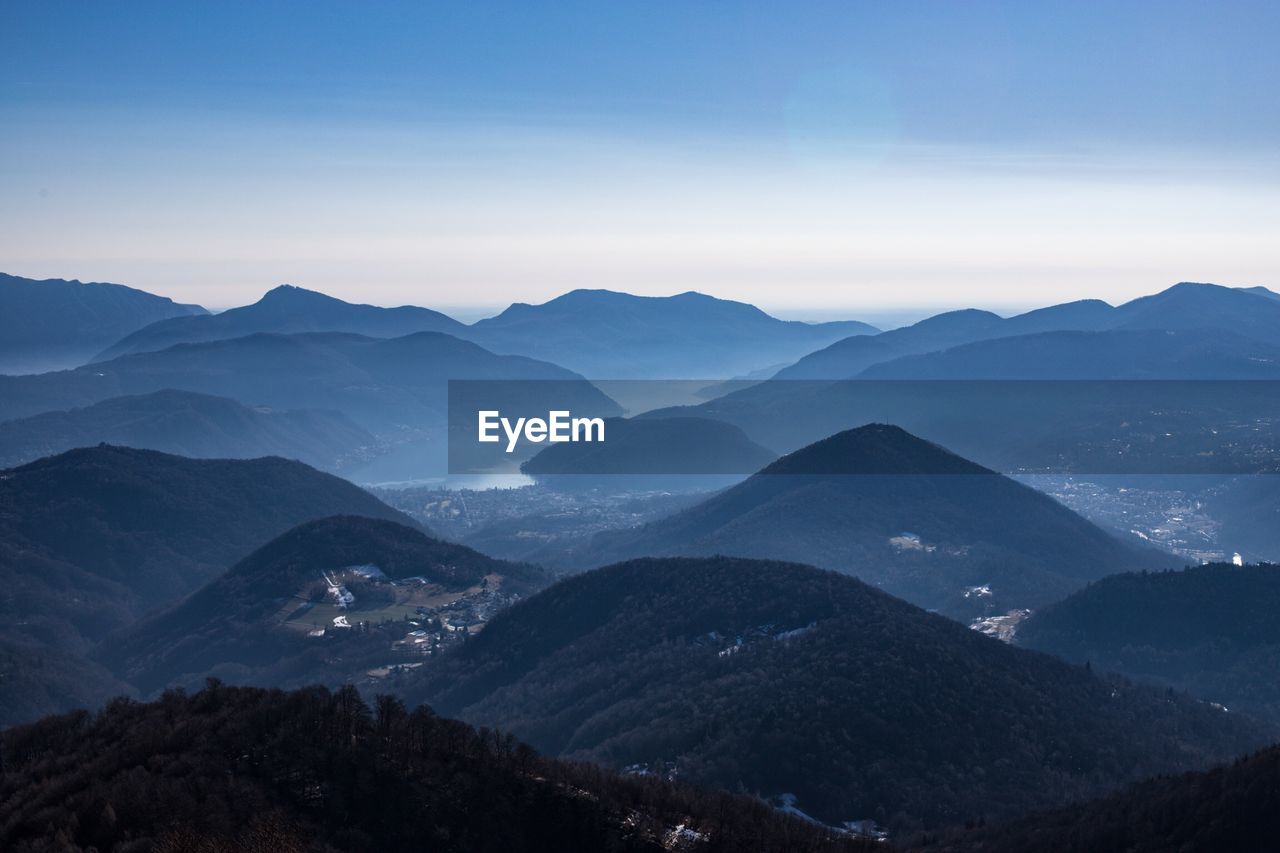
(189, 424)
(609, 335)
(900, 513)
(55, 324)
(1190, 354)
(285, 309)
(1183, 307)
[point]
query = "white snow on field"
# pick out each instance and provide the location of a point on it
(911, 542)
(369, 570)
(682, 836)
(342, 596)
(1000, 627)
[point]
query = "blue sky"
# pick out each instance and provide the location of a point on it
(837, 158)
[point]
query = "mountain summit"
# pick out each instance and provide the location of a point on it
(609, 335)
(881, 449)
(899, 512)
(55, 324)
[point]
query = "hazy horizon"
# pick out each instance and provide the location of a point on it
(835, 157)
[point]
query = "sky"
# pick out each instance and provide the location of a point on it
(847, 159)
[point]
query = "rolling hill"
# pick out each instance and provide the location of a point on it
(775, 678)
(607, 335)
(1210, 630)
(285, 309)
(899, 513)
(92, 539)
(229, 770)
(189, 424)
(55, 324)
(250, 625)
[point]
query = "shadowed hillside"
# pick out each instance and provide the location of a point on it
(1210, 630)
(899, 513)
(778, 678)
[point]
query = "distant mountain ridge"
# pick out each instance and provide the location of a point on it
(900, 513)
(395, 388)
(1184, 307)
(54, 324)
(604, 334)
(1188, 354)
(285, 309)
(189, 424)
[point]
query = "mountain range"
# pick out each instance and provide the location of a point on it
(54, 324)
(395, 388)
(607, 335)
(779, 679)
(899, 513)
(600, 333)
(284, 309)
(1187, 307)
(190, 424)
(1183, 354)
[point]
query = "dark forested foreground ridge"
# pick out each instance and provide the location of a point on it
(898, 512)
(236, 769)
(1232, 808)
(776, 678)
(1211, 630)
